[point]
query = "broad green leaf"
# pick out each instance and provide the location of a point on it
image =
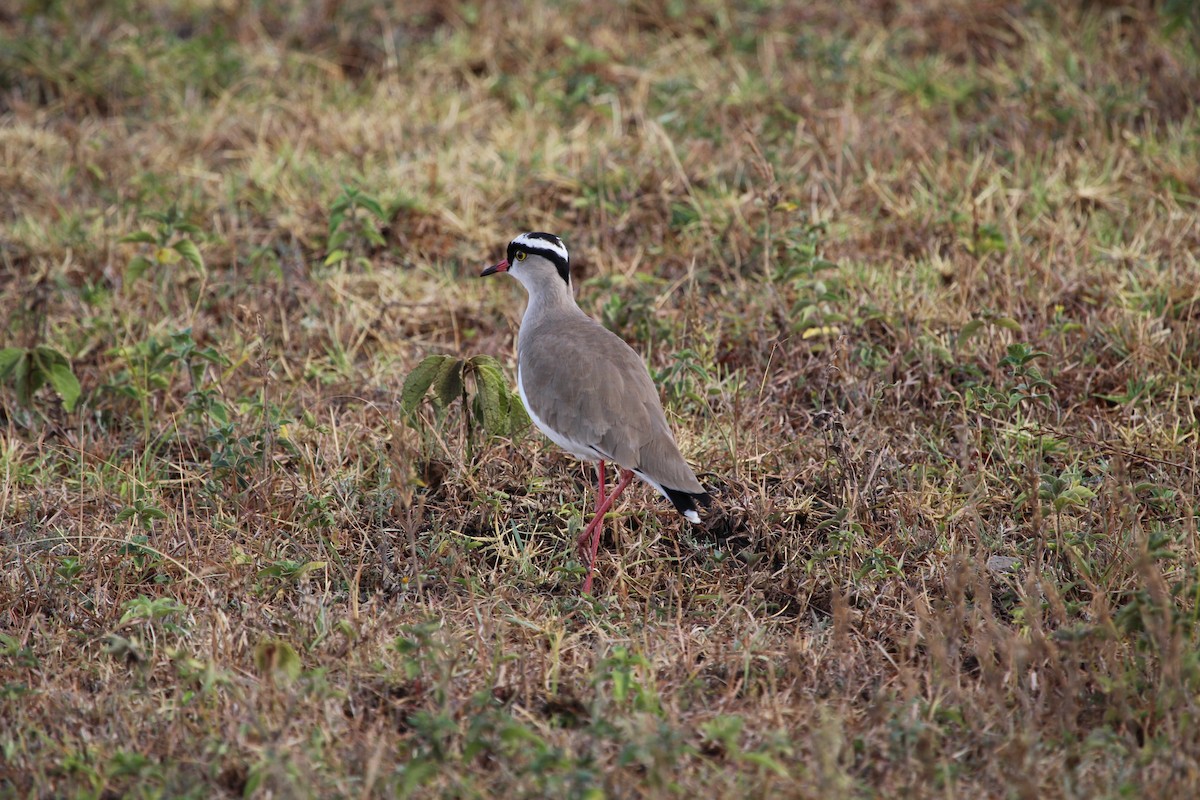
(219, 412)
(335, 221)
(505, 398)
(372, 205)
(448, 384)
(518, 417)
(487, 371)
(138, 237)
(1009, 323)
(373, 236)
(27, 378)
(277, 658)
(485, 360)
(47, 356)
(491, 397)
(418, 382)
(1075, 496)
(136, 269)
(766, 761)
(969, 330)
(335, 256)
(9, 357)
(65, 383)
(187, 248)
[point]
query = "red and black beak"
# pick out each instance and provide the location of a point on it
(492, 270)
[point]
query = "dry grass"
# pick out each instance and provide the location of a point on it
(920, 287)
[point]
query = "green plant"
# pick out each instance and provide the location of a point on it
(170, 243)
(19, 655)
(28, 369)
(144, 512)
(1025, 383)
(154, 612)
(354, 222)
(148, 370)
(1024, 386)
(287, 572)
(628, 675)
(478, 382)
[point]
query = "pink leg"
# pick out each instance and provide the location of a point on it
(601, 489)
(596, 526)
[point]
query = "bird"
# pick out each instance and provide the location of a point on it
(589, 392)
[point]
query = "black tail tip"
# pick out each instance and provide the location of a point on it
(685, 502)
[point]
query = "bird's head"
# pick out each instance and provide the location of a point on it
(534, 259)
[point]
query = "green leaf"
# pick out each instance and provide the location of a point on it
(137, 268)
(766, 761)
(621, 682)
(187, 248)
(1008, 323)
(277, 658)
(335, 257)
(27, 378)
(9, 357)
(46, 357)
(138, 237)
(969, 330)
(518, 417)
(418, 382)
(491, 397)
(486, 361)
(152, 513)
(373, 236)
(66, 384)
(505, 398)
(372, 205)
(258, 774)
(448, 384)
(1075, 496)
(335, 221)
(219, 412)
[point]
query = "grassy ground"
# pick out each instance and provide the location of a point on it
(919, 284)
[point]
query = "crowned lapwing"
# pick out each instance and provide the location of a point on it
(588, 391)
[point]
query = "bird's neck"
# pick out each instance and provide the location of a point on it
(549, 301)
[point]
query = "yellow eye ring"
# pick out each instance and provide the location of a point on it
(521, 256)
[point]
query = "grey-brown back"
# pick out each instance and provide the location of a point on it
(590, 387)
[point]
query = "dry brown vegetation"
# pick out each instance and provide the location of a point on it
(919, 284)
